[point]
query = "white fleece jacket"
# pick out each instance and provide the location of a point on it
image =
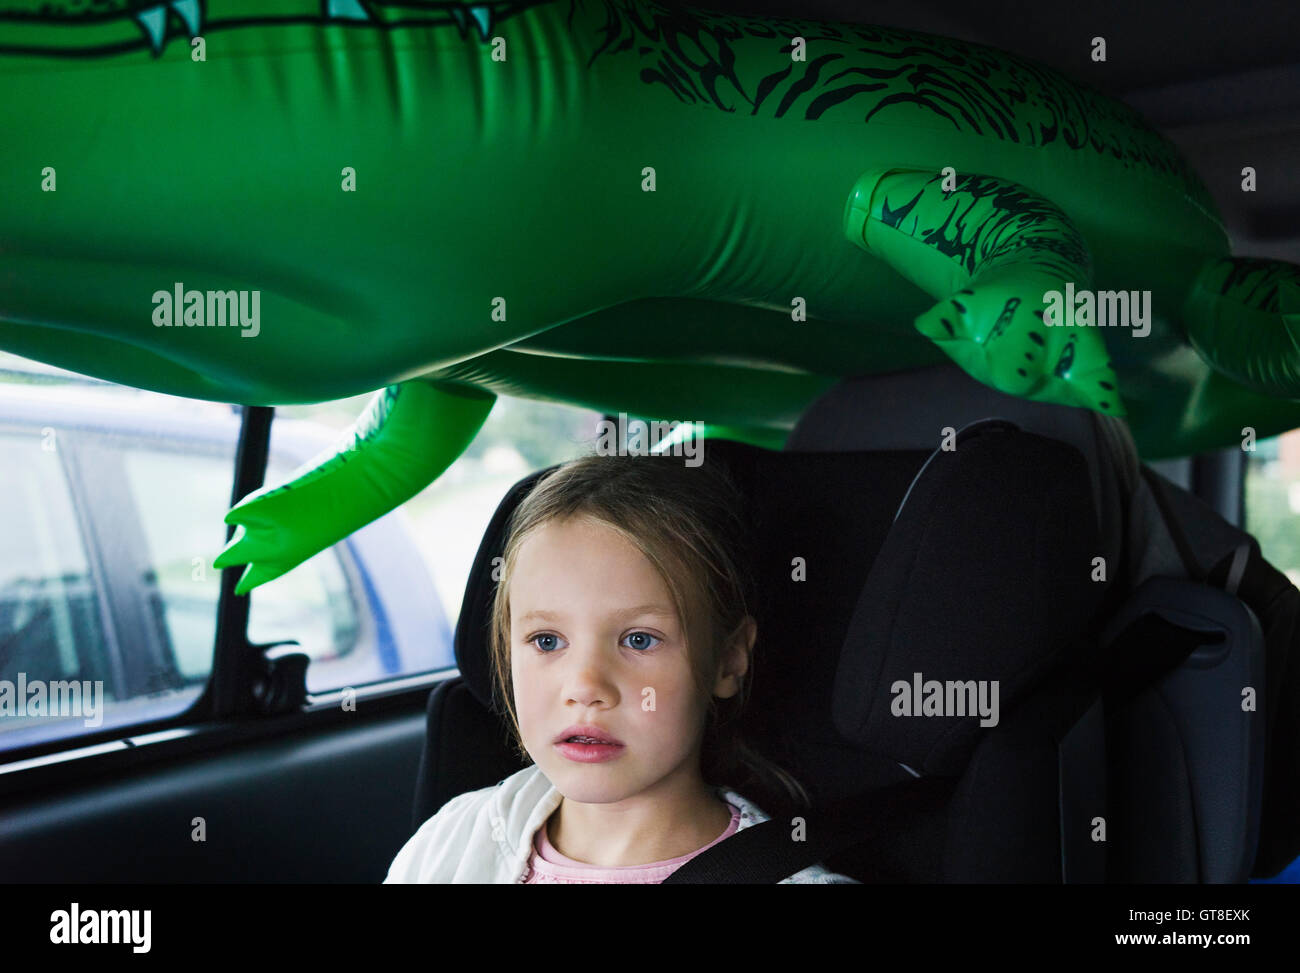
(486, 836)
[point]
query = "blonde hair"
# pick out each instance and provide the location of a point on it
(690, 524)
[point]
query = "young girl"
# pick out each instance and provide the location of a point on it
(621, 641)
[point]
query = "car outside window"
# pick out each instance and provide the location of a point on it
(106, 499)
(52, 626)
(1273, 501)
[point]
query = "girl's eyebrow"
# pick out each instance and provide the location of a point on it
(622, 613)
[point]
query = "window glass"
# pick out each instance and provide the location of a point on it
(184, 531)
(1273, 517)
(1273, 501)
(51, 630)
(311, 605)
(107, 507)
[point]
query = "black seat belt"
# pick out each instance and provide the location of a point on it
(765, 853)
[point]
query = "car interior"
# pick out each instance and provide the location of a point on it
(1146, 649)
(963, 557)
(1121, 616)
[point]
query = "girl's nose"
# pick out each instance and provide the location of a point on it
(590, 680)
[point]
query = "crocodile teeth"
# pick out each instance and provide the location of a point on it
(188, 11)
(482, 17)
(153, 21)
(345, 10)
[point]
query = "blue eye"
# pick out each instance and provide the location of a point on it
(644, 635)
(543, 635)
(641, 645)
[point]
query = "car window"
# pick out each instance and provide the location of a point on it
(183, 531)
(311, 605)
(1273, 500)
(51, 626)
(108, 496)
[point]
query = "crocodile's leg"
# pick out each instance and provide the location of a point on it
(988, 251)
(1242, 316)
(407, 436)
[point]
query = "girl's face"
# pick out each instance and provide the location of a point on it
(595, 641)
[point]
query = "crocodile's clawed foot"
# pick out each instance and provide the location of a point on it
(1000, 333)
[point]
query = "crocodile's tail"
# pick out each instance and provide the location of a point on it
(1242, 316)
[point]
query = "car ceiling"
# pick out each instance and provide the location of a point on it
(1221, 80)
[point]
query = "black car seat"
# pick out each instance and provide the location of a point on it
(970, 563)
(1185, 761)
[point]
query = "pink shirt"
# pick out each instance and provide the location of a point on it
(549, 867)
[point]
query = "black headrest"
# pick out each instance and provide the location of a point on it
(908, 409)
(976, 579)
(473, 655)
(987, 575)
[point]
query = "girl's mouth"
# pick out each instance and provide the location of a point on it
(588, 750)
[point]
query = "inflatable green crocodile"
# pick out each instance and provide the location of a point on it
(630, 206)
